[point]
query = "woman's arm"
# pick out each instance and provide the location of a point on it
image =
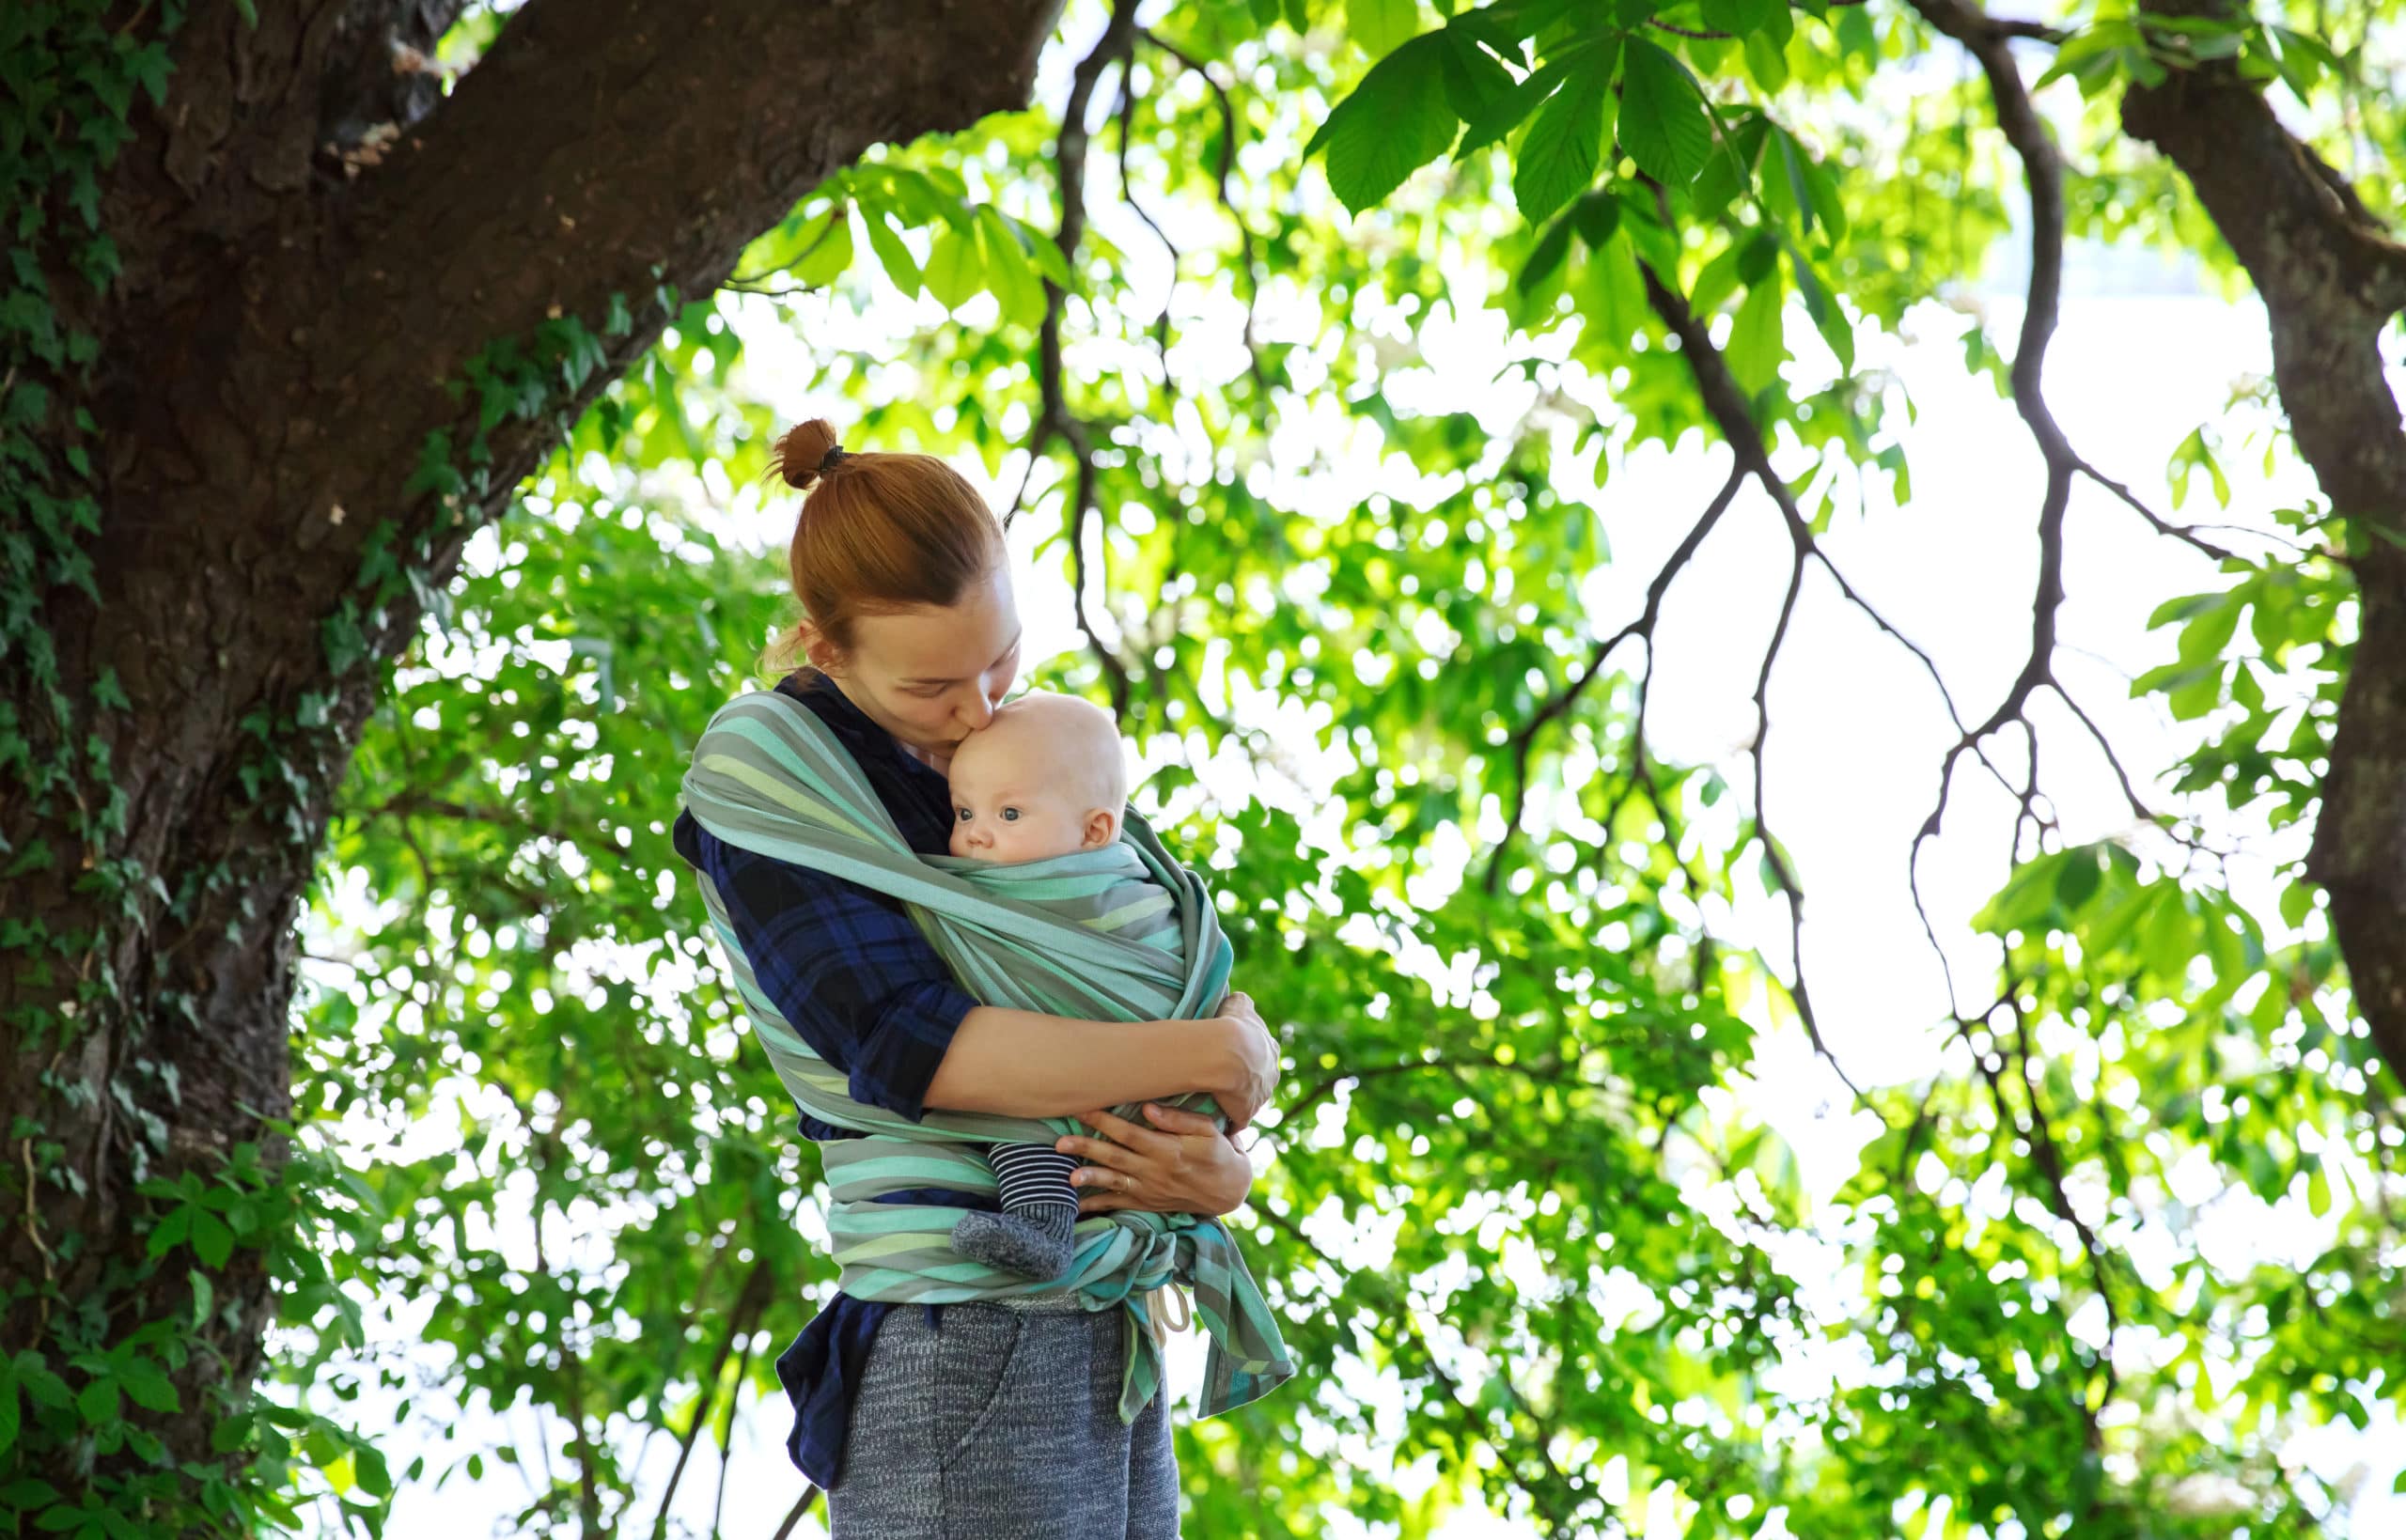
(1028, 1064)
(853, 974)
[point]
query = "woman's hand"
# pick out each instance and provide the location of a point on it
(1253, 1069)
(1180, 1165)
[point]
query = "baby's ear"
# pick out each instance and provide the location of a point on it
(1103, 826)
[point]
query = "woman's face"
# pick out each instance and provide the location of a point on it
(930, 674)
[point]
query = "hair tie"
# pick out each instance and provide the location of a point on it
(827, 461)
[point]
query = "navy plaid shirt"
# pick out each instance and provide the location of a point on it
(865, 989)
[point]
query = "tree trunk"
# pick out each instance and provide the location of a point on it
(2330, 278)
(316, 244)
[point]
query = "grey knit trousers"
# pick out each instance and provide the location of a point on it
(1002, 1424)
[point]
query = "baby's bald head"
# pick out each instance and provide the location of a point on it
(1043, 778)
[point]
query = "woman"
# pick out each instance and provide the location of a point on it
(989, 1420)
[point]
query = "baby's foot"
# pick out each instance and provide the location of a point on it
(1034, 1242)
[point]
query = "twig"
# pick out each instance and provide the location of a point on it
(726, 1433)
(1642, 628)
(741, 1320)
(1244, 232)
(1056, 420)
(1725, 400)
(2161, 526)
(802, 1505)
(1128, 195)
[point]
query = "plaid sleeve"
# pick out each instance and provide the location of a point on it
(855, 977)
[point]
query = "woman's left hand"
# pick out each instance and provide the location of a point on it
(1183, 1164)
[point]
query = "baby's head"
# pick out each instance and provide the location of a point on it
(1043, 778)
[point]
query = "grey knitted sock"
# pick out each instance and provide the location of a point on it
(1034, 1242)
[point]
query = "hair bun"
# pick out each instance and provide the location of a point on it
(807, 451)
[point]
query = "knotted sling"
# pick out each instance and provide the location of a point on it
(1121, 933)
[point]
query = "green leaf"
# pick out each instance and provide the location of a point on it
(1017, 285)
(956, 270)
(1511, 109)
(892, 254)
(1757, 347)
(1828, 318)
(1750, 17)
(831, 255)
(1381, 26)
(1545, 259)
(97, 1402)
(1396, 122)
(1767, 61)
(171, 1231)
(148, 1388)
(1474, 80)
(2079, 880)
(1662, 122)
(212, 1242)
(1557, 161)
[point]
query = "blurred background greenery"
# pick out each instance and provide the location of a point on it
(1349, 456)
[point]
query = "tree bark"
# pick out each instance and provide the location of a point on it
(2330, 278)
(314, 240)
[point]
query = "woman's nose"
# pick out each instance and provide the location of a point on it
(978, 711)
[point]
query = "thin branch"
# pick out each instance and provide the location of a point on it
(1228, 201)
(1544, 1072)
(2048, 1157)
(1773, 855)
(1725, 400)
(750, 283)
(2161, 526)
(1056, 420)
(1642, 628)
(1128, 195)
(743, 1317)
(802, 1505)
(726, 1433)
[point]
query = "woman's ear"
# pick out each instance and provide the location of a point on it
(823, 654)
(1103, 826)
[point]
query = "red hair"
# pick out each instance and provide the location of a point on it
(876, 533)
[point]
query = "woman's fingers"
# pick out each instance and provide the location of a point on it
(1134, 1135)
(1099, 1152)
(1176, 1120)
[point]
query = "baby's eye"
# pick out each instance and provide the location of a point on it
(1011, 815)
(963, 814)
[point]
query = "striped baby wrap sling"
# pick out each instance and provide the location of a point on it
(1120, 933)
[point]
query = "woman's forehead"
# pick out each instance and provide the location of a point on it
(957, 641)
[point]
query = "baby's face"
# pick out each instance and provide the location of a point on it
(1014, 800)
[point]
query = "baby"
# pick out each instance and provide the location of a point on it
(1044, 778)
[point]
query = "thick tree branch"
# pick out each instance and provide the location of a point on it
(276, 394)
(2330, 277)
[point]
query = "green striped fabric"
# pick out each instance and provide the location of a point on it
(1123, 933)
